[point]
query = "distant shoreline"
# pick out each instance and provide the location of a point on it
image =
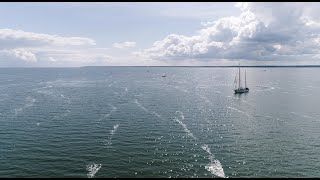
(269, 66)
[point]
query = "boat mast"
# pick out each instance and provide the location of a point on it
(245, 78)
(239, 76)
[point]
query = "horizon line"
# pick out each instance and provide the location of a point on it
(226, 66)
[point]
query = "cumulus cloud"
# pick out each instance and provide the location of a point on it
(127, 44)
(19, 53)
(263, 31)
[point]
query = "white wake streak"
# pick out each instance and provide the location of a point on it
(93, 169)
(214, 166)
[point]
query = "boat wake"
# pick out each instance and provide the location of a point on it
(115, 127)
(214, 165)
(215, 168)
(186, 130)
(305, 116)
(147, 110)
(106, 116)
(265, 88)
(239, 111)
(93, 169)
(112, 132)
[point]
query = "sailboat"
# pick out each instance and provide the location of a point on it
(238, 87)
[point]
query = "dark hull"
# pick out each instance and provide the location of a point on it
(241, 90)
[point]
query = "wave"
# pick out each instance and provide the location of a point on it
(93, 169)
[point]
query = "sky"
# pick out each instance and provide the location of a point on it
(75, 34)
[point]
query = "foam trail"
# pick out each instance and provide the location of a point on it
(214, 166)
(67, 99)
(239, 111)
(93, 169)
(206, 148)
(189, 133)
(158, 115)
(113, 107)
(147, 110)
(140, 105)
(112, 132)
(115, 127)
(302, 115)
(273, 118)
(185, 129)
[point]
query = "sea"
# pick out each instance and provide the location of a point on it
(126, 122)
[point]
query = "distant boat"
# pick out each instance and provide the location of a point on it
(237, 84)
(164, 75)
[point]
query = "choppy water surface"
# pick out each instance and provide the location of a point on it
(132, 122)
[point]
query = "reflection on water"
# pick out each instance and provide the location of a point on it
(131, 122)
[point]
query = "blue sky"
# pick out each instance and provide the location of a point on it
(219, 33)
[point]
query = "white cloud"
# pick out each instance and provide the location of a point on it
(127, 44)
(263, 31)
(10, 38)
(19, 53)
(20, 48)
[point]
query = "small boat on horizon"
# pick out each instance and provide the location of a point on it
(237, 84)
(164, 75)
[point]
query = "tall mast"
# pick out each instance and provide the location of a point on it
(239, 76)
(245, 78)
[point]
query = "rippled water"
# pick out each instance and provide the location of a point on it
(132, 122)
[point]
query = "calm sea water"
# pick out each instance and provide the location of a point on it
(131, 122)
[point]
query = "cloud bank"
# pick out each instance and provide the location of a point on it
(21, 48)
(262, 32)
